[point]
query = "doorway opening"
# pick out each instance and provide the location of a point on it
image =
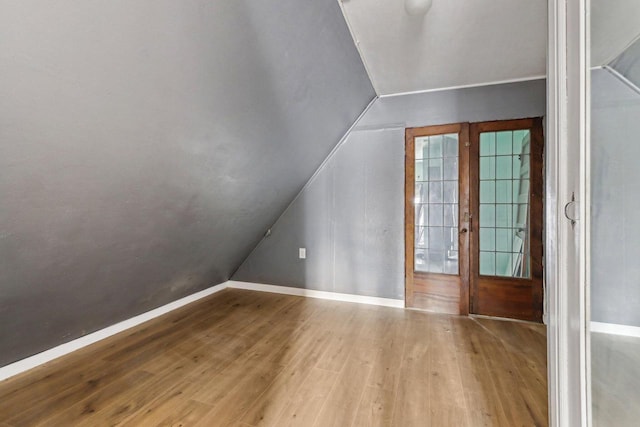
(474, 218)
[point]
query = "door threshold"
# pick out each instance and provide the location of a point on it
(426, 310)
(506, 319)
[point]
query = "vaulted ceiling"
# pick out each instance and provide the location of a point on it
(146, 146)
(460, 43)
(627, 65)
(614, 26)
(456, 43)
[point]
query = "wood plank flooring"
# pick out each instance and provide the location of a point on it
(242, 358)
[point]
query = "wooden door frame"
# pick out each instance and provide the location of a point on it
(462, 129)
(468, 177)
(536, 209)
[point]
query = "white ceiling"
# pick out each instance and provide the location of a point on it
(473, 42)
(456, 43)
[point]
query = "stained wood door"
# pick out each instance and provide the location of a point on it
(507, 201)
(437, 218)
(473, 218)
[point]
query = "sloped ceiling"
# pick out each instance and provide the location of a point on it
(628, 65)
(456, 43)
(614, 26)
(459, 43)
(146, 146)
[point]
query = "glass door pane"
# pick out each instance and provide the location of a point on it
(436, 204)
(504, 203)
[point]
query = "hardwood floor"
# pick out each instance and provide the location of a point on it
(242, 358)
(615, 380)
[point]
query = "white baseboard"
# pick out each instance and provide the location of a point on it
(334, 296)
(614, 329)
(66, 348)
(71, 346)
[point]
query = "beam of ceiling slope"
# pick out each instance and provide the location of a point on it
(455, 44)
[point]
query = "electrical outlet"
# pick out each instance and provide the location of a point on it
(302, 253)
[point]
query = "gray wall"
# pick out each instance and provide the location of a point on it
(146, 146)
(350, 216)
(615, 186)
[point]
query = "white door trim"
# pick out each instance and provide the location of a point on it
(566, 255)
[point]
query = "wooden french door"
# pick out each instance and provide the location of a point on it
(473, 222)
(506, 197)
(437, 218)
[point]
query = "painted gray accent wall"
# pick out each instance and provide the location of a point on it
(350, 216)
(146, 146)
(615, 186)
